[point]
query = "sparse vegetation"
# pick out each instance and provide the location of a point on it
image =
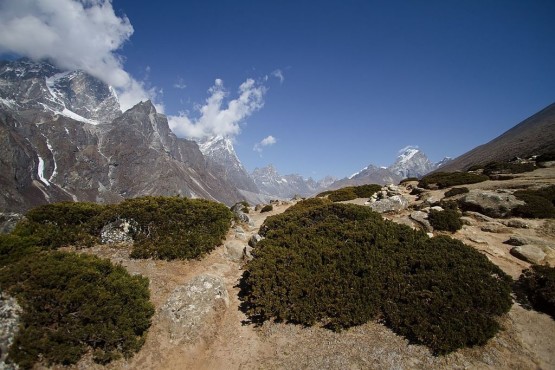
(351, 192)
(446, 220)
(539, 203)
(168, 227)
(447, 179)
(456, 191)
(408, 179)
(73, 303)
(267, 208)
(536, 289)
(508, 167)
(341, 265)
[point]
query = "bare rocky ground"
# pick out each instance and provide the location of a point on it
(227, 342)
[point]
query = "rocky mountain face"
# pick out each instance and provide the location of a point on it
(411, 162)
(63, 137)
(220, 152)
(270, 182)
(533, 136)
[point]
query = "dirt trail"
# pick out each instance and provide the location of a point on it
(527, 341)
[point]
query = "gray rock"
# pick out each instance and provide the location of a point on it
(518, 240)
(192, 309)
(495, 227)
(237, 210)
(437, 208)
(234, 250)
(478, 216)
(395, 203)
(430, 200)
(491, 203)
(8, 222)
(422, 219)
(119, 231)
(468, 221)
(529, 253)
(9, 326)
(254, 240)
(516, 223)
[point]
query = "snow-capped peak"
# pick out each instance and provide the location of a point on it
(406, 154)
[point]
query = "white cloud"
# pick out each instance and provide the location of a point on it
(73, 34)
(267, 141)
(180, 84)
(216, 118)
(278, 73)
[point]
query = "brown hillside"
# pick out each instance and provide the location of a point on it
(535, 135)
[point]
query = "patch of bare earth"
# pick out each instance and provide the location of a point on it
(526, 342)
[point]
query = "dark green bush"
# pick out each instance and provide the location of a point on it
(342, 265)
(448, 179)
(507, 168)
(539, 203)
(408, 179)
(446, 220)
(173, 227)
(351, 192)
(267, 208)
(168, 227)
(308, 203)
(342, 195)
(61, 224)
(456, 191)
(72, 303)
(14, 247)
(546, 157)
(536, 289)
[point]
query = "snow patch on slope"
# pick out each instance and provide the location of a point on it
(40, 171)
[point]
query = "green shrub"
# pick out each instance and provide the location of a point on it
(408, 179)
(539, 203)
(168, 227)
(536, 289)
(342, 195)
(447, 220)
(72, 303)
(308, 203)
(173, 227)
(456, 191)
(341, 265)
(366, 191)
(351, 192)
(507, 168)
(267, 208)
(448, 179)
(61, 224)
(546, 157)
(14, 247)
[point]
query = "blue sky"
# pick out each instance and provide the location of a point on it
(361, 79)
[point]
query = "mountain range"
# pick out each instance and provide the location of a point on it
(64, 137)
(411, 162)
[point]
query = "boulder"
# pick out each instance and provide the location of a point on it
(518, 240)
(193, 309)
(10, 312)
(495, 227)
(496, 204)
(516, 223)
(468, 221)
(237, 210)
(119, 231)
(234, 250)
(422, 219)
(479, 217)
(395, 203)
(254, 239)
(8, 222)
(529, 253)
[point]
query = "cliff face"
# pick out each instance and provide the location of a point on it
(63, 138)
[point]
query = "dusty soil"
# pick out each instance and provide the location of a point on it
(527, 341)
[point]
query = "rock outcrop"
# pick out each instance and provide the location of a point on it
(9, 325)
(193, 309)
(490, 203)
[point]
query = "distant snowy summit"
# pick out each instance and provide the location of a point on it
(270, 182)
(411, 162)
